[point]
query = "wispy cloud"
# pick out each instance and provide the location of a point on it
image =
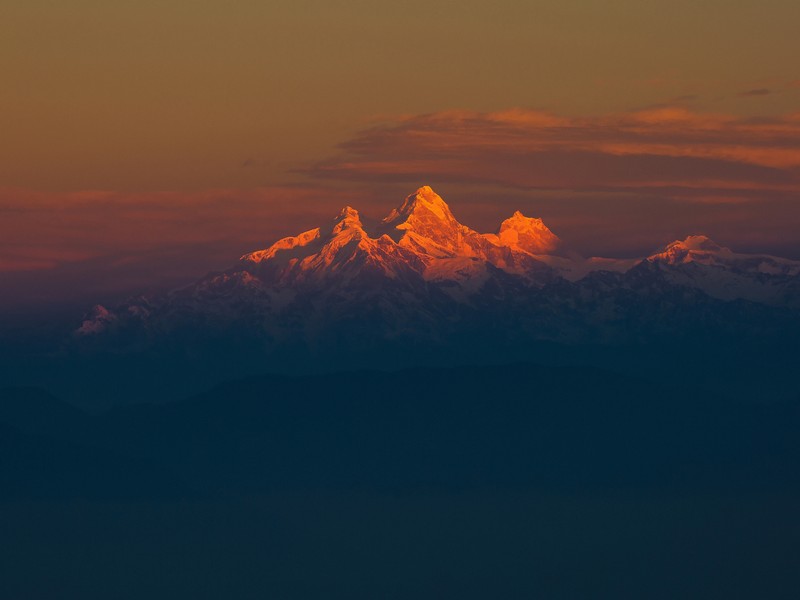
(669, 150)
(685, 99)
(754, 93)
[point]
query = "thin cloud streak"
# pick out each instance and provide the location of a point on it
(755, 92)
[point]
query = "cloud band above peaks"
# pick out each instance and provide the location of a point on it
(668, 151)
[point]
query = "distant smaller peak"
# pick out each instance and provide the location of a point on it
(518, 217)
(701, 243)
(528, 234)
(690, 249)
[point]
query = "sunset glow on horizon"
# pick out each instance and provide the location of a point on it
(155, 134)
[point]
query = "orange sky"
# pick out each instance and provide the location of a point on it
(156, 133)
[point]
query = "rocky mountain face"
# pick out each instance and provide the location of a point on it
(419, 278)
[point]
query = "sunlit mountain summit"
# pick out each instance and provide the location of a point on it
(421, 237)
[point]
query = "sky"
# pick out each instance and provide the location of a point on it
(145, 143)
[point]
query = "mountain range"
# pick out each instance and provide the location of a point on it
(420, 275)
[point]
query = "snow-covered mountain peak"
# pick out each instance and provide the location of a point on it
(699, 249)
(701, 242)
(701, 263)
(527, 234)
(425, 223)
(695, 248)
(422, 208)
